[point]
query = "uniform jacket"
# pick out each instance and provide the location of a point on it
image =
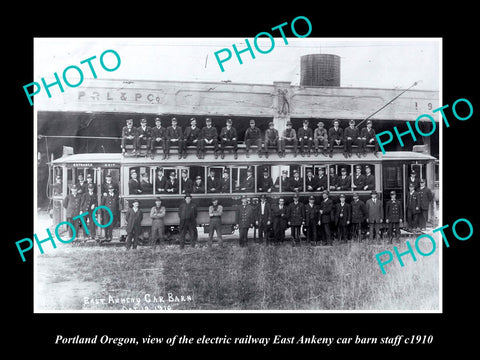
(187, 213)
(228, 134)
(105, 188)
(285, 184)
(172, 185)
(369, 182)
(225, 185)
(245, 216)
(296, 213)
(129, 132)
(134, 187)
(343, 213)
(416, 183)
(425, 197)
(248, 184)
(322, 183)
(209, 133)
(174, 133)
(279, 217)
(364, 133)
(312, 214)
(305, 133)
(296, 184)
(359, 211)
(311, 183)
(192, 134)
(213, 184)
(87, 202)
(134, 219)
(374, 210)
(335, 134)
(72, 204)
(393, 211)
(161, 184)
(198, 188)
(327, 207)
(187, 185)
(334, 181)
(349, 132)
(265, 184)
(144, 133)
(359, 182)
(146, 187)
(111, 202)
(253, 134)
(344, 183)
(413, 203)
(159, 132)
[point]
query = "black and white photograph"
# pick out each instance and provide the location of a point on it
(282, 173)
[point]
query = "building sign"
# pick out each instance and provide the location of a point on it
(121, 95)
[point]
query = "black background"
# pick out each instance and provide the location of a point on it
(454, 329)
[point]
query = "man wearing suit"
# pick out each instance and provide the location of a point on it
(225, 182)
(81, 184)
(312, 219)
(369, 179)
(160, 182)
(228, 137)
(344, 181)
(305, 138)
(333, 179)
(351, 137)
(192, 136)
(129, 135)
(253, 136)
(158, 137)
(89, 202)
(173, 136)
(326, 208)
(213, 184)
(311, 182)
(296, 218)
(172, 184)
(110, 200)
(413, 208)
(343, 215)
(134, 218)
(134, 184)
(73, 205)
(321, 180)
(413, 179)
(187, 212)
(262, 217)
(209, 138)
(374, 215)
(367, 137)
(279, 216)
(248, 184)
(144, 136)
(296, 183)
(358, 179)
(145, 185)
(335, 136)
(266, 182)
(186, 182)
(393, 215)
(425, 197)
(285, 186)
(157, 214)
(245, 218)
(359, 214)
(107, 183)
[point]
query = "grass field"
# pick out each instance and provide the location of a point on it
(258, 277)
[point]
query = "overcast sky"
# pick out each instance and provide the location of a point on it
(377, 63)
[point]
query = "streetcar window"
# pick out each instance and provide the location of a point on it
(282, 178)
(214, 179)
(393, 176)
(226, 181)
(146, 185)
(265, 181)
(172, 184)
(160, 180)
(57, 185)
(244, 179)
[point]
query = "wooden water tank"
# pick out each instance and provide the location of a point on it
(320, 70)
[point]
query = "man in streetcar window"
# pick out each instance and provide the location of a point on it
(215, 212)
(279, 218)
(81, 184)
(144, 135)
(325, 209)
(213, 183)
(89, 202)
(210, 138)
(248, 184)
(333, 179)
(160, 182)
(321, 180)
(351, 137)
(413, 208)
(335, 136)
(57, 186)
(296, 183)
(129, 136)
(305, 138)
(311, 182)
(198, 186)
(72, 203)
(187, 212)
(145, 186)
(89, 182)
(225, 182)
(109, 182)
(413, 179)
(271, 139)
(157, 214)
(358, 179)
(174, 138)
(186, 183)
(159, 134)
(133, 218)
(367, 137)
(192, 137)
(374, 216)
(312, 219)
(285, 182)
(172, 184)
(359, 214)
(134, 184)
(369, 179)
(344, 181)
(110, 200)
(288, 136)
(425, 197)
(320, 137)
(262, 217)
(228, 137)
(296, 218)
(253, 136)
(393, 216)
(343, 214)
(266, 183)
(245, 218)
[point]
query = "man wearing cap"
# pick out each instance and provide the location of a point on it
(266, 182)
(228, 137)
(271, 139)
(157, 214)
(311, 182)
(173, 137)
(413, 179)
(253, 136)
(198, 186)
(344, 181)
(210, 138)
(129, 136)
(172, 186)
(192, 137)
(133, 217)
(333, 179)
(110, 200)
(107, 183)
(393, 215)
(325, 209)
(296, 183)
(413, 208)
(374, 215)
(320, 137)
(73, 205)
(358, 179)
(134, 184)
(187, 212)
(343, 215)
(57, 186)
(81, 184)
(369, 179)
(186, 183)
(279, 219)
(89, 202)
(215, 212)
(245, 218)
(225, 185)
(213, 183)
(367, 137)
(144, 136)
(359, 214)
(262, 217)
(88, 183)
(305, 137)
(321, 180)
(312, 219)
(282, 183)
(160, 182)
(159, 134)
(145, 186)
(425, 197)
(351, 137)
(335, 136)
(248, 184)
(296, 218)
(289, 136)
